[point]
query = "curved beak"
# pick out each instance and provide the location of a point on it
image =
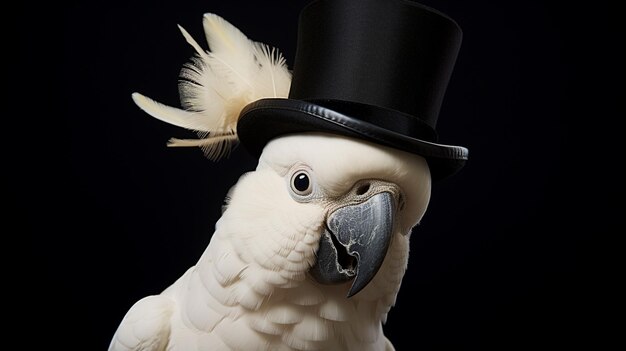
(355, 242)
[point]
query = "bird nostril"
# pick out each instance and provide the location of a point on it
(362, 189)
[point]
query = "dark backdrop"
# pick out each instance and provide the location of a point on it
(505, 257)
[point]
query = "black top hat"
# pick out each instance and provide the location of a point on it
(370, 69)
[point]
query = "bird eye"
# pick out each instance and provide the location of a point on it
(301, 183)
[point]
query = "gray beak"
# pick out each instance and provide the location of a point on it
(355, 242)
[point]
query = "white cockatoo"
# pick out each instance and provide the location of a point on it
(254, 289)
(311, 248)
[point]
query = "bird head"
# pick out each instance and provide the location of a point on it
(327, 208)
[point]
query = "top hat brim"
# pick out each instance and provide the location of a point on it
(266, 119)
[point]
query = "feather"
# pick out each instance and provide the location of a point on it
(283, 313)
(263, 325)
(214, 147)
(227, 267)
(306, 295)
(199, 307)
(169, 114)
(296, 343)
(191, 41)
(145, 326)
(216, 85)
(312, 328)
(237, 336)
(336, 310)
(232, 53)
(275, 78)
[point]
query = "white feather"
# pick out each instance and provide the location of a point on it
(214, 147)
(312, 328)
(191, 41)
(337, 310)
(217, 84)
(171, 115)
(200, 311)
(236, 334)
(283, 313)
(228, 267)
(232, 53)
(263, 325)
(275, 79)
(305, 295)
(145, 326)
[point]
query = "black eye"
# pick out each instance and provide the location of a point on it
(301, 183)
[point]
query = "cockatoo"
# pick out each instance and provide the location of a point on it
(311, 248)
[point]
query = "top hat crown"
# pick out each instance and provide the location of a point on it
(376, 70)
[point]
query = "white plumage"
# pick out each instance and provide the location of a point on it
(248, 292)
(217, 84)
(251, 289)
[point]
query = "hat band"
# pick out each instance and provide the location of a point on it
(392, 120)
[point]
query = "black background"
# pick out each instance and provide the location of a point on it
(508, 255)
